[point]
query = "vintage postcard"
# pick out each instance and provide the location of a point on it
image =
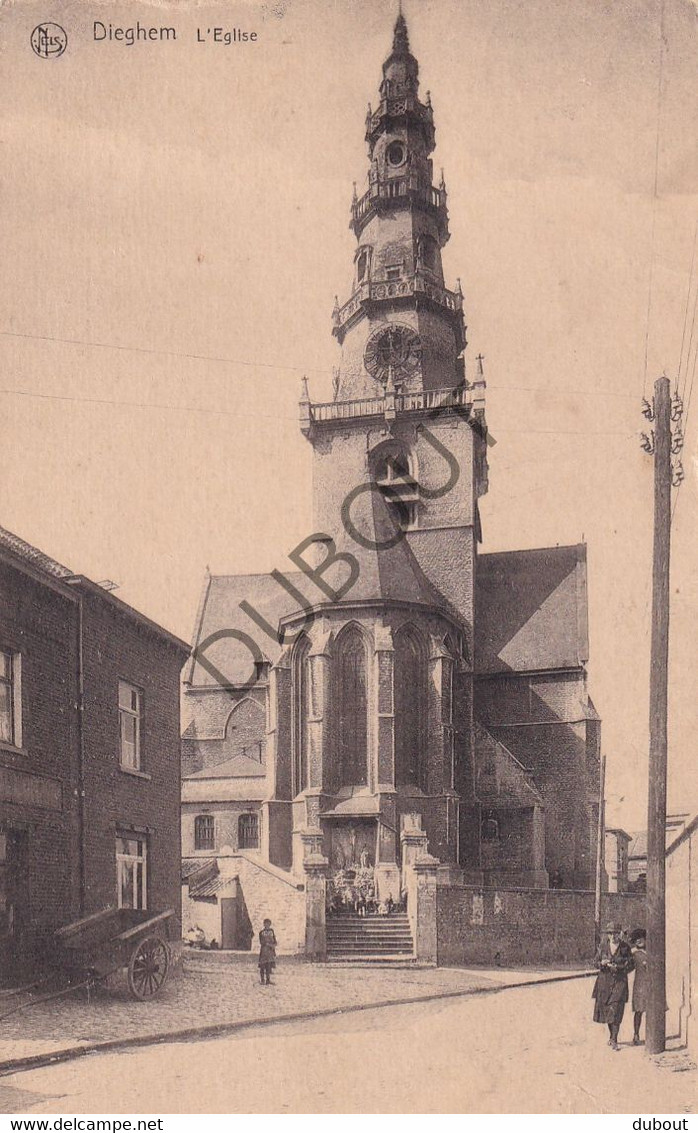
(348, 585)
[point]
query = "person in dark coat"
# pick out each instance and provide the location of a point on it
(267, 952)
(614, 959)
(638, 940)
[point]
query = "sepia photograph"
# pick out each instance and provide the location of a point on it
(348, 560)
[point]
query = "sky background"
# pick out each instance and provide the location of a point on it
(175, 227)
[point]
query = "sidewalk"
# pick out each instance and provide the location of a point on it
(217, 992)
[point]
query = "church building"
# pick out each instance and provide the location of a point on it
(396, 687)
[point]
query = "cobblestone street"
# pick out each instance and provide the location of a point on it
(527, 1050)
(219, 988)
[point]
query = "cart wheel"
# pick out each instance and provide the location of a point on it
(148, 967)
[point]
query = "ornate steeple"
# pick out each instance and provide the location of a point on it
(401, 225)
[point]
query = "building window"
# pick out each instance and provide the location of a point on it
(204, 832)
(489, 826)
(130, 720)
(352, 708)
(398, 487)
(9, 698)
(131, 871)
(427, 252)
(363, 261)
(248, 832)
(394, 271)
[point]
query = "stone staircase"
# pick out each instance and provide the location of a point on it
(371, 939)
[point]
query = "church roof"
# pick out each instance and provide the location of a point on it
(220, 612)
(385, 574)
(531, 610)
(388, 570)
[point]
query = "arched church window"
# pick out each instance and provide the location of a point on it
(248, 832)
(351, 707)
(301, 703)
(363, 262)
(410, 682)
(204, 832)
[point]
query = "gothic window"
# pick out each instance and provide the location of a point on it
(363, 262)
(245, 731)
(248, 832)
(352, 708)
(204, 832)
(410, 684)
(301, 704)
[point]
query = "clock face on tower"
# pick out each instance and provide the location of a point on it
(394, 348)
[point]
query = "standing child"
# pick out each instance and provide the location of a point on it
(267, 952)
(638, 941)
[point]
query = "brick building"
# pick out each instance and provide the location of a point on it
(397, 686)
(89, 753)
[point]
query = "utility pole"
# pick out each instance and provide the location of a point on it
(600, 850)
(661, 445)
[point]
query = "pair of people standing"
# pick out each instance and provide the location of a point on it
(615, 960)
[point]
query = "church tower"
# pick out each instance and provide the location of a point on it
(404, 418)
(398, 466)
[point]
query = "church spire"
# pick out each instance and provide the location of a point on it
(401, 329)
(401, 43)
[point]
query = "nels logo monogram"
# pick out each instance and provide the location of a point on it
(48, 41)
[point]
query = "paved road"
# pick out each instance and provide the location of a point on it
(529, 1050)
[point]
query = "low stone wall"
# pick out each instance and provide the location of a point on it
(524, 926)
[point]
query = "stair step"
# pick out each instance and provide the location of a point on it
(405, 939)
(377, 948)
(401, 959)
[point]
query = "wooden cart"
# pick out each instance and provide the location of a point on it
(128, 941)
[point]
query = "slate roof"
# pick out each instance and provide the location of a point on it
(531, 610)
(220, 611)
(191, 866)
(210, 886)
(391, 574)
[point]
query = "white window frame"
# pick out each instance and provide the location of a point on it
(131, 713)
(131, 862)
(14, 683)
